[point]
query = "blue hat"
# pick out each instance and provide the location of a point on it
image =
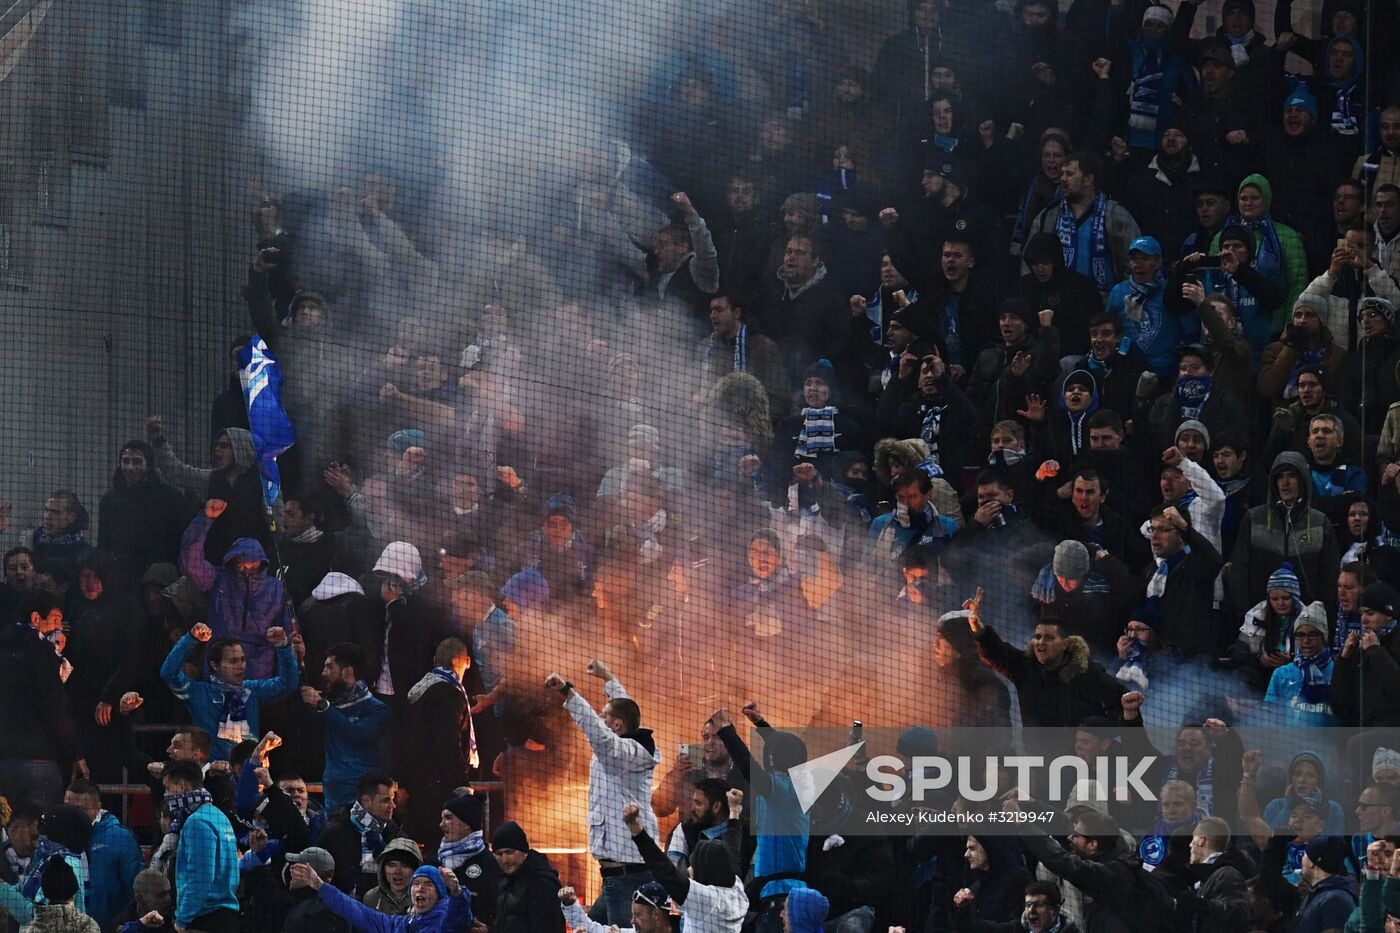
(1285, 579)
(1147, 245)
(433, 874)
(561, 503)
(527, 589)
(400, 441)
(1303, 98)
(917, 741)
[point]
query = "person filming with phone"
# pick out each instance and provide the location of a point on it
(1232, 273)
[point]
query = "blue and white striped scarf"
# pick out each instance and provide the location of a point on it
(452, 855)
(741, 351)
(818, 433)
(1043, 589)
(930, 427)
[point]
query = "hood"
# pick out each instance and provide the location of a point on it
(910, 452)
(336, 584)
(710, 864)
(1003, 854)
(245, 549)
(1295, 461)
(1076, 658)
(1262, 183)
(102, 564)
(807, 910)
(189, 602)
(244, 456)
(1358, 68)
(160, 574)
(1318, 763)
(1093, 396)
(1338, 514)
(536, 864)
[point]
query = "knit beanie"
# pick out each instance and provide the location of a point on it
(509, 835)
(917, 741)
(467, 808)
(527, 589)
(1284, 579)
(1071, 560)
(1191, 424)
(433, 874)
(1314, 616)
(1328, 853)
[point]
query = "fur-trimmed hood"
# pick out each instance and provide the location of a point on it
(910, 452)
(1076, 662)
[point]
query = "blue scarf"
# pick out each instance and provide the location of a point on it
(1192, 393)
(1023, 215)
(1158, 584)
(1153, 848)
(1385, 630)
(818, 432)
(1045, 587)
(371, 830)
(1205, 785)
(44, 850)
(1101, 368)
(930, 427)
(1305, 358)
(181, 805)
(1344, 121)
(355, 693)
(1145, 95)
(452, 855)
(741, 351)
(1067, 231)
(1347, 622)
(1268, 255)
(235, 699)
(1317, 678)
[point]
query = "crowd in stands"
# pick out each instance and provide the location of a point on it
(1080, 307)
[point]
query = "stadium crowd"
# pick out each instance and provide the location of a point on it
(1102, 321)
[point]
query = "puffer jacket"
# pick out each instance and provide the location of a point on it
(1272, 533)
(242, 606)
(528, 901)
(64, 918)
(1065, 695)
(910, 453)
(141, 525)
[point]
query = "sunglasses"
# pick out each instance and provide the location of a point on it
(639, 898)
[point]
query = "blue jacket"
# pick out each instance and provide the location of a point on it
(1337, 480)
(114, 858)
(206, 702)
(242, 606)
(206, 866)
(449, 914)
(1159, 331)
(1284, 688)
(352, 746)
(892, 539)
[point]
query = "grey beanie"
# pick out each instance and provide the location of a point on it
(1071, 560)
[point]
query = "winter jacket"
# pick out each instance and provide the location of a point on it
(337, 611)
(1108, 881)
(242, 606)
(37, 724)
(1065, 695)
(1272, 533)
(1285, 690)
(1280, 359)
(620, 773)
(1220, 902)
(141, 525)
(207, 704)
(528, 900)
(206, 866)
(352, 734)
(1072, 296)
(240, 487)
(114, 858)
(1290, 431)
(1366, 686)
(381, 897)
(1186, 604)
(449, 914)
(1328, 905)
(63, 918)
(909, 453)
(440, 749)
(1159, 328)
(906, 412)
(1221, 413)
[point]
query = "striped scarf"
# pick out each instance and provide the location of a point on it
(818, 433)
(452, 855)
(1067, 231)
(930, 427)
(1204, 782)
(1317, 677)
(741, 351)
(1044, 589)
(371, 830)
(1347, 622)
(43, 851)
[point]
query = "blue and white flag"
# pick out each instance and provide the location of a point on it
(272, 430)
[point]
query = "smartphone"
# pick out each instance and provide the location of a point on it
(1209, 262)
(694, 752)
(1343, 244)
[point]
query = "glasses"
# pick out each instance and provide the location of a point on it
(1137, 630)
(1346, 197)
(1362, 805)
(1306, 636)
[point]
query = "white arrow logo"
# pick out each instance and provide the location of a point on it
(811, 778)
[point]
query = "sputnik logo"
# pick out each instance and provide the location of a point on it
(811, 778)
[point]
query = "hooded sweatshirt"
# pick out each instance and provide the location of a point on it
(1276, 812)
(807, 910)
(242, 606)
(1278, 251)
(382, 898)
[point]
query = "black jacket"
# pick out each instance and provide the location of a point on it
(1109, 883)
(1065, 695)
(528, 901)
(1074, 299)
(481, 876)
(36, 723)
(309, 914)
(141, 525)
(342, 840)
(1366, 686)
(1191, 623)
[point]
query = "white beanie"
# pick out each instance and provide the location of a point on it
(1158, 14)
(401, 559)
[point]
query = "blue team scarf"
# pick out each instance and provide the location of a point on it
(1192, 393)
(930, 427)
(741, 351)
(818, 432)
(1205, 785)
(451, 855)
(1145, 95)
(235, 699)
(1317, 677)
(1067, 231)
(1268, 256)
(1043, 590)
(1344, 122)
(1347, 622)
(181, 805)
(44, 850)
(355, 693)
